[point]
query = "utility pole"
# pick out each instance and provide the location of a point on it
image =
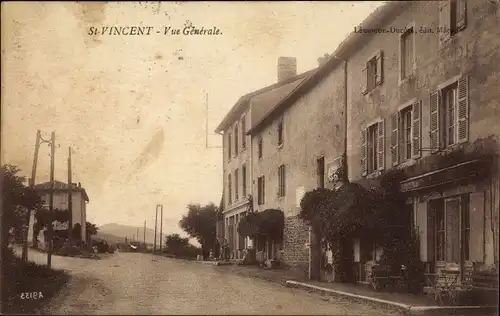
(51, 199)
(32, 185)
(137, 234)
(161, 224)
(156, 225)
(144, 234)
(70, 201)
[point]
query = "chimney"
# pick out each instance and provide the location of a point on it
(287, 68)
(323, 59)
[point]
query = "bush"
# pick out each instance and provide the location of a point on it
(19, 276)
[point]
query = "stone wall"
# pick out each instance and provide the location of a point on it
(295, 252)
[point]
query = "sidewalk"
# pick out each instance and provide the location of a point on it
(405, 303)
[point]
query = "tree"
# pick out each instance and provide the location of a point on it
(176, 243)
(43, 216)
(200, 223)
(91, 229)
(17, 199)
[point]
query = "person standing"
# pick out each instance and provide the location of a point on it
(216, 249)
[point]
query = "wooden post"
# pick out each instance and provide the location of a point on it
(51, 199)
(70, 201)
(32, 185)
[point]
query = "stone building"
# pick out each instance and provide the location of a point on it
(296, 143)
(237, 152)
(424, 98)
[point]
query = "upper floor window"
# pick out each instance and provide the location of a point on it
(372, 148)
(236, 135)
(452, 18)
(407, 53)
(280, 133)
(373, 72)
(259, 146)
(229, 146)
(281, 181)
(243, 132)
(229, 190)
(236, 185)
(261, 189)
(406, 133)
(244, 180)
(449, 117)
(320, 169)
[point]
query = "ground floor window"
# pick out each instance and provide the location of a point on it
(451, 228)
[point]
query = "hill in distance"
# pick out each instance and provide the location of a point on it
(117, 233)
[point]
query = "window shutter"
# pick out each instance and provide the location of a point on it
(381, 145)
(263, 190)
(395, 138)
(416, 130)
(364, 165)
(444, 21)
(461, 14)
(380, 67)
(463, 109)
(364, 80)
(434, 121)
(476, 210)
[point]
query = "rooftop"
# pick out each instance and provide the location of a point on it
(61, 186)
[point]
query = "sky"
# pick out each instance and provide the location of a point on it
(133, 108)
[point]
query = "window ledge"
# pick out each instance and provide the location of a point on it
(280, 198)
(280, 145)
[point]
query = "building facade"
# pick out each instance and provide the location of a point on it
(296, 145)
(238, 153)
(60, 201)
(425, 100)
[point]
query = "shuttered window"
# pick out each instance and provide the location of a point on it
(416, 130)
(395, 138)
(373, 73)
(281, 181)
(407, 54)
(452, 18)
(463, 110)
(373, 148)
(259, 147)
(364, 152)
(244, 181)
(381, 145)
(236, 185)
(236, 135)
(229, 189)
(261, 190)
(229, 146)
(449, 115)
(243, 132)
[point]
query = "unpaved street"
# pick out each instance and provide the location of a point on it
(130, 283)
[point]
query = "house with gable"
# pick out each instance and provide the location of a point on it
(238, 153)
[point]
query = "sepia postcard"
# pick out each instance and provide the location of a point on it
(250, 157)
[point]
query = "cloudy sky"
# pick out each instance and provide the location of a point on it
(133, 107)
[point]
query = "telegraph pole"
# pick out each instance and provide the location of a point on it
(156, 225)
(161, 224)
(32, 185)
(51, 199)
(70, 201)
